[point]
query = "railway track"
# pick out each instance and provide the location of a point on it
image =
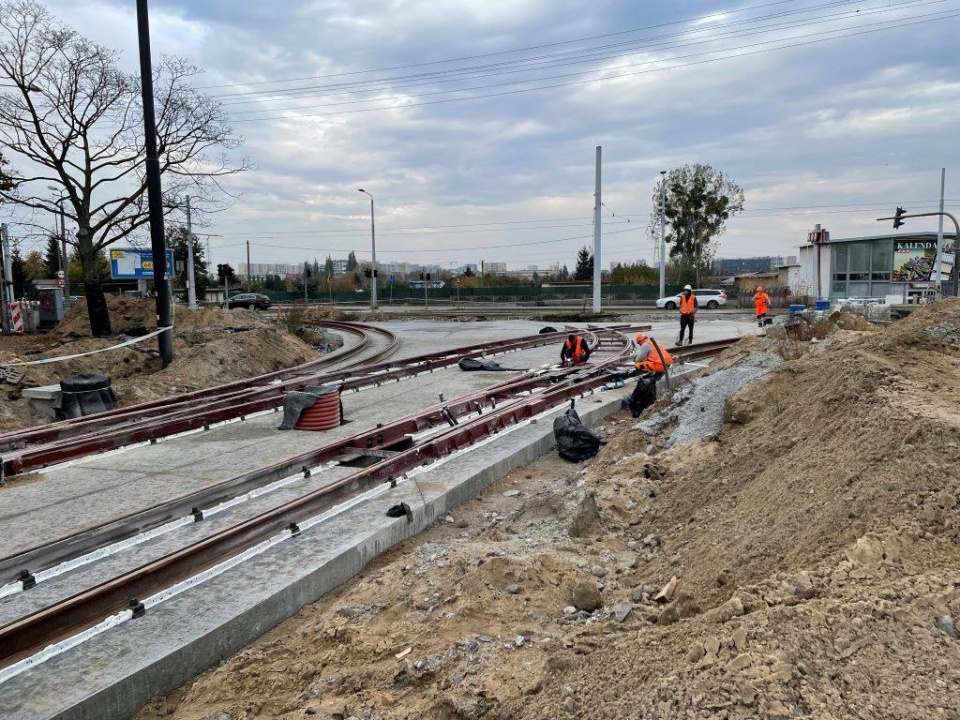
(384, 455)
(37, 448)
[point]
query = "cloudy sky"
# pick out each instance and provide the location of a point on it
(474, 122)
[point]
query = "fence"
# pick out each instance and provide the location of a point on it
(533, 295)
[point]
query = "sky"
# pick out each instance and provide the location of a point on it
(474, 123)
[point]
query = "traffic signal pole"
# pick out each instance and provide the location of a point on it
(901, 215)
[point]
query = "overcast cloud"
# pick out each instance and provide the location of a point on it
(842, 130)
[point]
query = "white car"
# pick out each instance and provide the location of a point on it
(711, 299)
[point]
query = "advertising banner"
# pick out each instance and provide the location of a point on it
(913, 260)
(135, 264)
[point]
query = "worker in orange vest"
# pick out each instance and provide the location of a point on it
(649, 356)
(761, 301)
(688, 311)
(574, 350)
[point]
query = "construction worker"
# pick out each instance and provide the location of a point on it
(688, 311)
(649, 356)
(761, 301)
(574, 350)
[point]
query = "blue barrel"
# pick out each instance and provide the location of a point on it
(823, 305)
(796, 309)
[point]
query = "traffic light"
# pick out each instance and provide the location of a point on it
(897, 222)
(220, 272)
(428, 276)
(308, 272)
(421, 276)
(367, 273)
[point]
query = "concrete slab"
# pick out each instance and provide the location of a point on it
(112, 675)
(43, 392)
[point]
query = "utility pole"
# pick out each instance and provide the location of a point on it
(596, 240)
(663, 232)
(191, 274)
(956, 241)
(154, 191)
(373, 255)
(696, 255)
(7, 280)
(63, 245)
(249, 273)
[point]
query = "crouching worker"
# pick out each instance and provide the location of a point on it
(650, 357)
(650, 361)
(574, 351)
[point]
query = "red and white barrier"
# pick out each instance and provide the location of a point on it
(16, 317)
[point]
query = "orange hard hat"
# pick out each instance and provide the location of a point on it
(759, 288)
(641, 337)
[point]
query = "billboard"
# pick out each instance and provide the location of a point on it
(915, 260)
(135, 264)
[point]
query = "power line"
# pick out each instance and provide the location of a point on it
(931, 17)
(505, 52)
(591, 55)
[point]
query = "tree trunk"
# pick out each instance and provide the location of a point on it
(96, 302)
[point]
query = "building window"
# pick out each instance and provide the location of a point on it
(882, 260)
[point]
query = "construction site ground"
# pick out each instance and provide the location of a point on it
(799, 557)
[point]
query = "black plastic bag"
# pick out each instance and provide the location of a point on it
(575, 441)
(84, 394)
(643, 396)
(470, 364)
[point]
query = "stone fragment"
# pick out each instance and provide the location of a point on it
(585, 516)
(666, 593)
(598, 571)
(946, 626)
(621, 611)
(512, 493)
(712, 646)
(586, 596)
(513, 589)
(731, 608)
(740, 639)
(696, 653)
(740, 662)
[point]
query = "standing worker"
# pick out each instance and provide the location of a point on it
(761, 302)
(688, 311)
(574, 350)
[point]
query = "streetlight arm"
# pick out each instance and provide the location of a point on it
(956, 242)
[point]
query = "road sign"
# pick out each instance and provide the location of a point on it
(135, 264)
(393, 279)
(60, 274)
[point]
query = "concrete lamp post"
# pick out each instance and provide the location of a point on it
(373, 254)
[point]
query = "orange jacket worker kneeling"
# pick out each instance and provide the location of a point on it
(650, 356)
(574, 350)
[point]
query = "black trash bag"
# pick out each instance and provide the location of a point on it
(547, 329)
(469, 364)
(84, 394)
(575, 441)
(400, 510)
(643, 396)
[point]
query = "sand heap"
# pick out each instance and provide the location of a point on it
(805, 562)
(211, 346)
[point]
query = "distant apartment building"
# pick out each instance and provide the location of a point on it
(264, 269)
(495, 267)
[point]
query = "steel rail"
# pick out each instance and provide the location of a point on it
(106, 432)
(32, 632)
(53, 431)
(26, 563)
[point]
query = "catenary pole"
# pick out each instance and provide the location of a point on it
(943, 182)
(596, 238)
(663, 230)
(154, 190)
(191, 272)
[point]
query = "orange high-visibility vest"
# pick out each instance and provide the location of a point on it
(688, 305)
(761, 300)
(652, 363)
(577, 348)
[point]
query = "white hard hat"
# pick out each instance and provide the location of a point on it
(687, 287)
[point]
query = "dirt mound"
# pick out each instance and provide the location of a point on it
(130, 315)
(811, 550)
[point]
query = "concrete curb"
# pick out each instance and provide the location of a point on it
(111, 676)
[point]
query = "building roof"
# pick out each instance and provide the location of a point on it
(920, 236)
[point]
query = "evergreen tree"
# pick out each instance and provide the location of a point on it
(328, 267)
(176, 239)
(23, 286)
(352, 263)
(52, 256)
(584, 269)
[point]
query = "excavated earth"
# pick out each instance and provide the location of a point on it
(211, 346)
(802, 561)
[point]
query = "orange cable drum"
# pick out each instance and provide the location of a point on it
(324, 414)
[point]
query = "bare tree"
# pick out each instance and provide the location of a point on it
(74, 120)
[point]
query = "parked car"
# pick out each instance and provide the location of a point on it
(711, 299)
(257, 301)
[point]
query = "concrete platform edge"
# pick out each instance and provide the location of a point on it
(125, 695)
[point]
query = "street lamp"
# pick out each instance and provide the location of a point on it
(663, 230)
(63, 241)
(373, 253)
